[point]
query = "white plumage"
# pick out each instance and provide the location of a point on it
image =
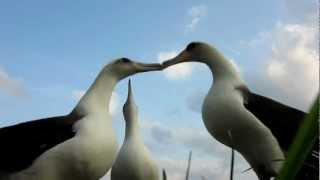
(89, 150)
(134, 161)
(223, 111)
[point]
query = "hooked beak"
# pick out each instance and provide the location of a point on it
(143, 67)
(184, 56)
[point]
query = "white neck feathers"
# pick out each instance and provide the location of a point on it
(97, 98)
(220, 67)
(130, 112)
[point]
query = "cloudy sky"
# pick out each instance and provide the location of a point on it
(51, 51)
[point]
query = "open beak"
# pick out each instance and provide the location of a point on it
(143, 67)
(184, 56)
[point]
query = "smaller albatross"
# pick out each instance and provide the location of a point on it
(262, 129)
(134, 161)
(78, 146)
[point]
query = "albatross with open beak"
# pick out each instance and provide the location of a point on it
(78, 146)
(261, 129)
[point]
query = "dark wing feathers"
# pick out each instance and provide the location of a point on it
(284, 123)
(21, 144)
(282, 120)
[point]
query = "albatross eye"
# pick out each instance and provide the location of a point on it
(191, 46)
(125, 60)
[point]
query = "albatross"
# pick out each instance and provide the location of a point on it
(258, 127)
(79, 146)
(134, 161)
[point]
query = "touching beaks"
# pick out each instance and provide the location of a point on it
(184, 56)
(144, 67)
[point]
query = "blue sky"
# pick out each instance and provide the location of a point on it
(51, 51)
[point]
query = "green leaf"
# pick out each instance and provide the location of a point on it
(189, 165)
(164, 174)
(302, 145)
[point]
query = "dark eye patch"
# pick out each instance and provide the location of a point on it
(125, 60)
(191, 46)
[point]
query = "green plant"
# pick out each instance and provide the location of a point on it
(232, 155)
(302, 145)
(164, 174)
(189, 165)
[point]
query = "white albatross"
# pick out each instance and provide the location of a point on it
(134, 161)
(78, 146)
(261, 128)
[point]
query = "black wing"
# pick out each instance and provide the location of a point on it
(21, 144)
(284, 123)
(282, 120)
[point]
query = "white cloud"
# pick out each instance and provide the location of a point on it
(259, 39)
(290, 72)
(178, 71)
(170, 150)
(213, 168)
(197, 139)
(162, 134)
(210, 158)
(11, 85)
(194, 100)
(276, 69)
(195, 13)
(114, 101)
(293, 66)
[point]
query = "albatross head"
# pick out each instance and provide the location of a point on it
(196, 52)
(124, 67)
(130, 109)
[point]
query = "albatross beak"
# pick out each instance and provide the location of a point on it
(143, 67)
(184, 56)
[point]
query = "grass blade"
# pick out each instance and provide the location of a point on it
(232, 156)
(203, 178)
(189, 165)
(232, 164)
(302, 145)
(164, 174)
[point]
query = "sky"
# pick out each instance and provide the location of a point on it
(51, 51)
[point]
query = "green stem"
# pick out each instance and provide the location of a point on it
(301, 147)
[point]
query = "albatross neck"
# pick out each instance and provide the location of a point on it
(132, 128)
(98, 96)
(221, 68)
